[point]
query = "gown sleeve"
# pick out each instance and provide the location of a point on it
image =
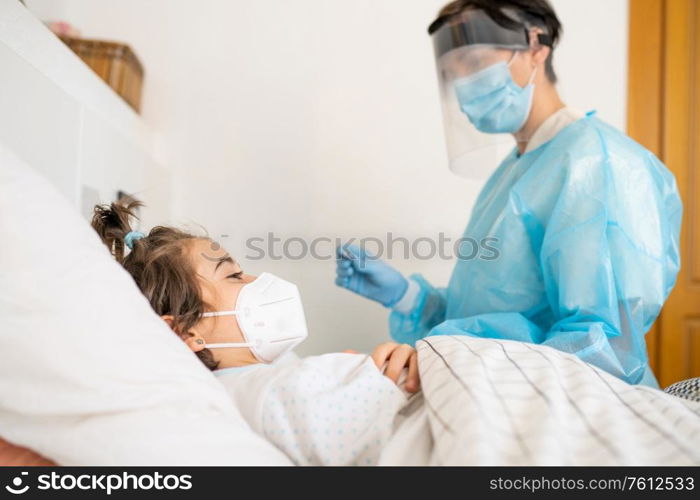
(427, 312)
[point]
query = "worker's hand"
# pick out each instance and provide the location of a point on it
(368, 276)
(393, 358)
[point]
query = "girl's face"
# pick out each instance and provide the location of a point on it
(221, 280)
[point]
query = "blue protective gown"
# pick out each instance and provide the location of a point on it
(587, 229)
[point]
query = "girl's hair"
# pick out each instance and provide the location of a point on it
(159, 265)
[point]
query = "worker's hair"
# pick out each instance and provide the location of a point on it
(533, 12)
(159, 265)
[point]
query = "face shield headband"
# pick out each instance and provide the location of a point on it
(475, 27)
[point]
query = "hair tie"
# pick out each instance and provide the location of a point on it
(132, 236)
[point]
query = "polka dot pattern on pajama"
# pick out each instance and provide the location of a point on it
(322, 415)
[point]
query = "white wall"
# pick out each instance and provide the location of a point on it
(592, 58)
(321, 118)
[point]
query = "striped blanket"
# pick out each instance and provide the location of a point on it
(495, 402)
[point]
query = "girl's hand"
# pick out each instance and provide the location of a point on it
(396, 357)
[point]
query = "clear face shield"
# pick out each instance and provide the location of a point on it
(481, 105)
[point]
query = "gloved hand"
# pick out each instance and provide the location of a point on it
(368, 276)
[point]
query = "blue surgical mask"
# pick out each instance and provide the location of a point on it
(492, 101)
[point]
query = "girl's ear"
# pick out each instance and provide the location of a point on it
(169, 320)
(193, 341)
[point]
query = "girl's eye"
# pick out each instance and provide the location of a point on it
(237, 275)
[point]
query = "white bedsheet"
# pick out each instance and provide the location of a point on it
(493, 402)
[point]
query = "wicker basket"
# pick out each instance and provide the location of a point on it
(115, 63)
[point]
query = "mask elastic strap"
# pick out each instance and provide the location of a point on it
(219, 313)
(249, 344)
(512, 58)
(227, 344)
(231, 344)
(532, 77)
(534, 71)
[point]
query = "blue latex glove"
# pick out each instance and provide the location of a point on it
(364, 274)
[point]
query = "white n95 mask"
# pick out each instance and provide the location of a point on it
(270, 315)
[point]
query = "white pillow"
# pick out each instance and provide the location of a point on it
(89, 374)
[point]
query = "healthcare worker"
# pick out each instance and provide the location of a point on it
(586, 221)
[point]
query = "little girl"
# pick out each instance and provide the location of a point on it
(333, 409)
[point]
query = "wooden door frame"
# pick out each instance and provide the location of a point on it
(662, 114)
(645, 99)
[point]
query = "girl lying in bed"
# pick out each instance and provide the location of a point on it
(333, 409)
